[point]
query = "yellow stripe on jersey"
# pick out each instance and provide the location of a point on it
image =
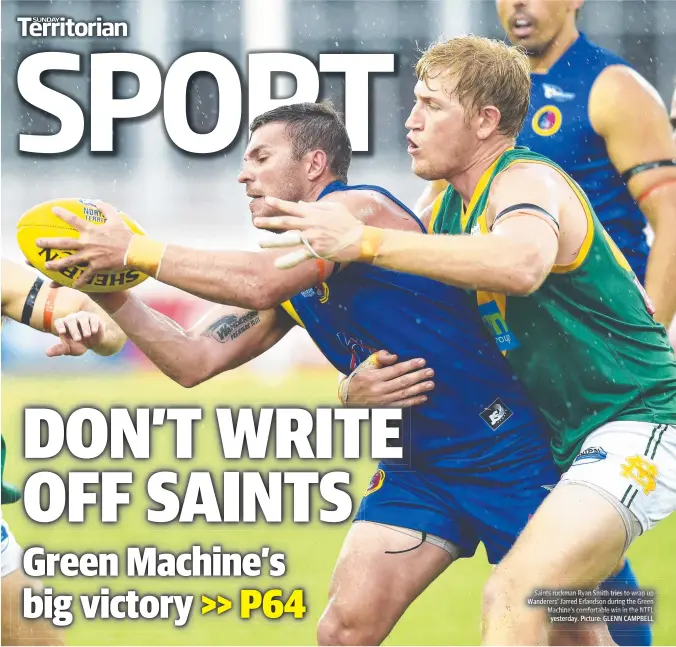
(496, 323)
(479, 191)
(589, 237)
(291, 311)
(497, 326)
(619, 256)
(436, 207)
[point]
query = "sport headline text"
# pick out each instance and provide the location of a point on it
(170, 89)
(231, 496)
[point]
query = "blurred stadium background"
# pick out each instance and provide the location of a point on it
(195, 201)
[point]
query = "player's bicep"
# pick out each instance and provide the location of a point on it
(635, 132)
(524, 209)
(528, 193)
(533, 232)
(232, 336)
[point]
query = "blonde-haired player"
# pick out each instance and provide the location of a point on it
(80, 325)
(562, 303)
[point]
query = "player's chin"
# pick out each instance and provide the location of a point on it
(259, 208)
(423, 170)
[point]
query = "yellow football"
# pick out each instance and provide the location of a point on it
(41, 222)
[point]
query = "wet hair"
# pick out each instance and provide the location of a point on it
(313, 126)
(487, 73)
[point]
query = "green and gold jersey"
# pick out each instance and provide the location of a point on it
(585, 344)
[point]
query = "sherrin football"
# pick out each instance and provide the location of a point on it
(40, 222)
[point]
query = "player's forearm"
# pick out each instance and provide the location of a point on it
(471, 262)
(178, 354)
(661, 269)
(243, 279)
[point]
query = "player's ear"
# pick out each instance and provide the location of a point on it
(488, 119)
(316, 164)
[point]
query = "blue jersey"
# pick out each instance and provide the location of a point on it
(477, 423)
(558, 127)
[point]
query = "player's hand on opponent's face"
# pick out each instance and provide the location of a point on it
(78, 332)
(324, 230)
(389, 382)
(101, 247)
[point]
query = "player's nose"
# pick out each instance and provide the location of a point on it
(244, 176)
(413, 122)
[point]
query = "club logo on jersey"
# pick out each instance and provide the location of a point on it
(376, 483)
(360, 351)
(497, 326)
(547, 121)
(641, 471)
(496, 413)
(590, 455)
(319, 291)
(556, 93)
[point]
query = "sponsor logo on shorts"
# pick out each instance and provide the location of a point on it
(496, 414)
(641, 471)
(590, 455)
(376, 483)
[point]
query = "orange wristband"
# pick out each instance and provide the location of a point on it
(371, 240)
(322, 269)
(49, 310)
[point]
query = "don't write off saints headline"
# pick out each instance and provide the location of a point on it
(271, 488)
(169, 90)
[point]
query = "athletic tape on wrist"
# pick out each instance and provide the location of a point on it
(145, 255)
(344, 388)
(369, 246)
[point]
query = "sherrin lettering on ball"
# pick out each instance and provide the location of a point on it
(40, 222)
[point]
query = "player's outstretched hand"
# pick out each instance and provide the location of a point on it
(382, 380)
(101, 247)
(78, 332)
(324, 229)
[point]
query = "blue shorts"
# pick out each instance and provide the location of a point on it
(460, 512)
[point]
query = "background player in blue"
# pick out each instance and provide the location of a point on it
(480, 453)
(608, 128)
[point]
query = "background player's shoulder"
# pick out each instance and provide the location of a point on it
(378, 208)
(600, 57)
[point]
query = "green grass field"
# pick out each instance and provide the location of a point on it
(446, 614)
